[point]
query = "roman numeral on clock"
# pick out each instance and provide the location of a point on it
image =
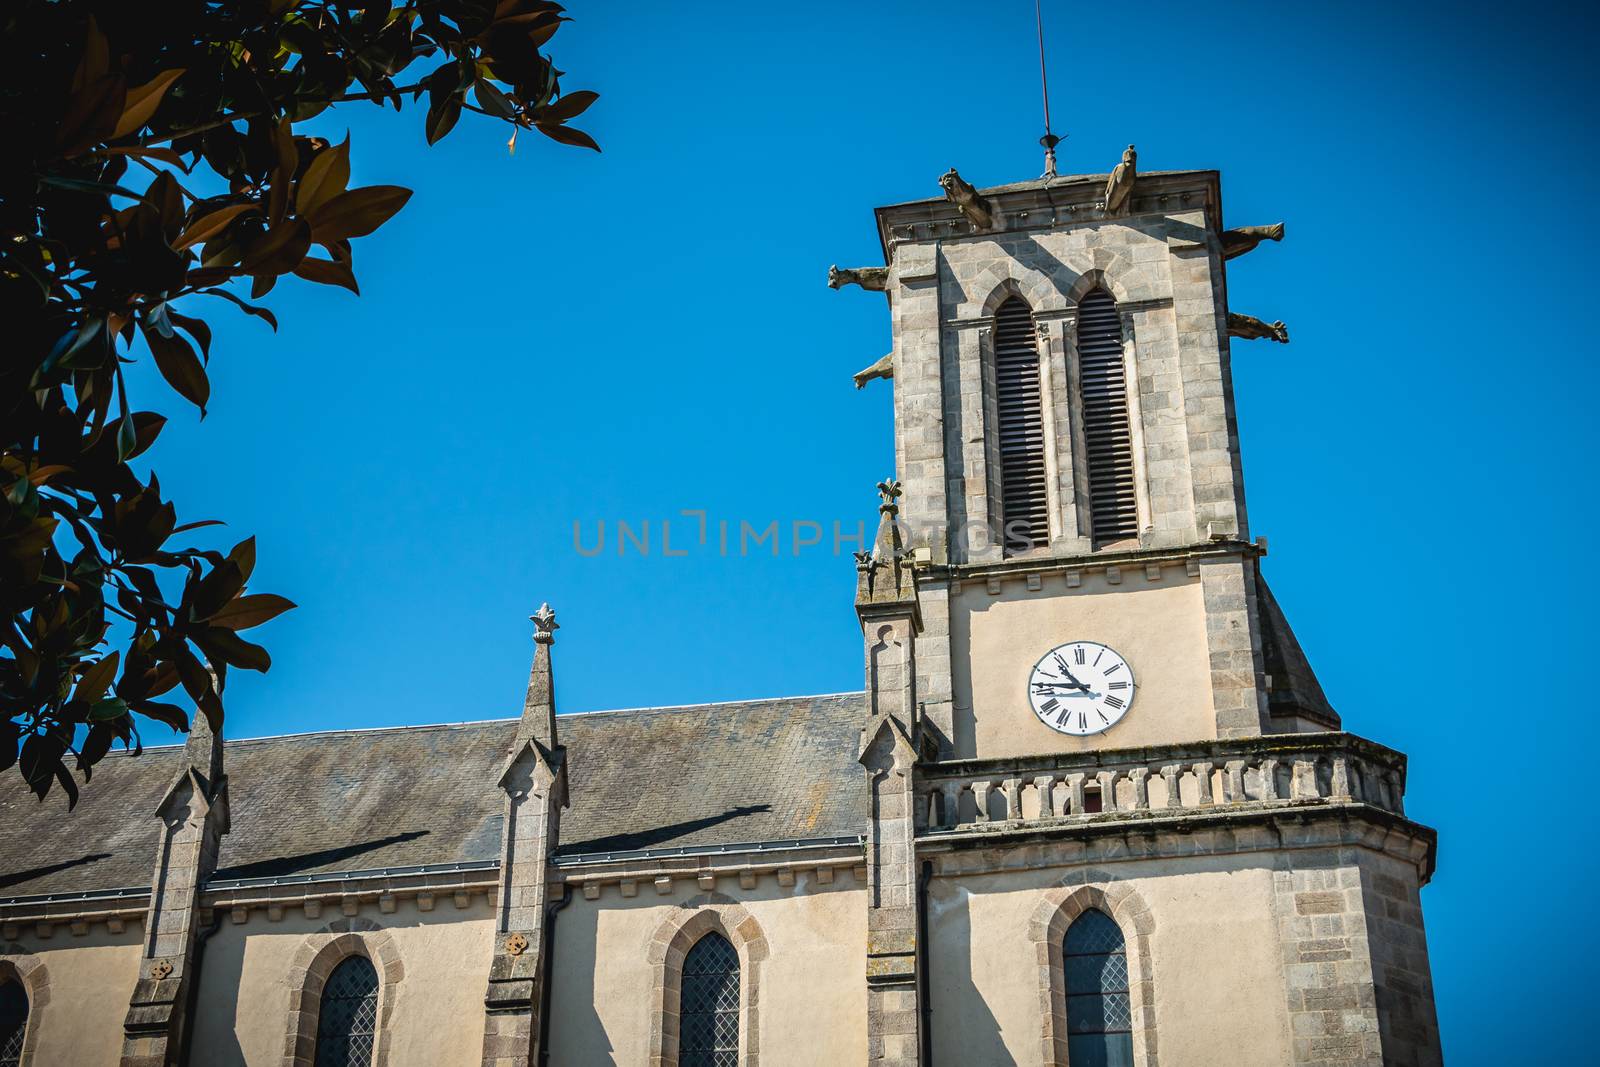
(1117, 685)
(1115, 702)
(1113, 669)
(1050, 705)
(1078, 655)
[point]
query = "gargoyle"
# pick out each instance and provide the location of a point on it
(875, 279)
(884, 369)
(1245, 238)
(1119, 187)
(1251, 328)
(961, 193)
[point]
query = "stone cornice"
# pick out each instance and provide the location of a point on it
(1043, 562)
(1038, 205)
(463, 884)
(1112, 837)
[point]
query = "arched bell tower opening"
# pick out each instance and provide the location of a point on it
(1019, 408)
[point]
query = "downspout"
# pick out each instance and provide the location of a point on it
(548, 966)
(191, 1000)
(924, 995)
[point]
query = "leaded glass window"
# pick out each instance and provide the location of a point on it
(347, 1025)
(708, 1005)
(1099, 1020)
(13, 1022)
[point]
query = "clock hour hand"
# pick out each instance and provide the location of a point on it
(1068, 672)
(1048, 687)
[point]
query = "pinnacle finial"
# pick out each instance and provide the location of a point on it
(544, 625)
(889, 490)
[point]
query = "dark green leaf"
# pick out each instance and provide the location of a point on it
(180, 367)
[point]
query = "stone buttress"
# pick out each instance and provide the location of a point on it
(886, 603)
(194, 816)
(534, 779)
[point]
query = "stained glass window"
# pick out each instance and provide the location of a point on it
(1099, 1019)
(347, 1025)
(13, 1022)
(708, 1005)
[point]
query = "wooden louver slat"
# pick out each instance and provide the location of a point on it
(1108, 441)
(1024, 495)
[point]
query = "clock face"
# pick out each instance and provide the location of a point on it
(1081, 688)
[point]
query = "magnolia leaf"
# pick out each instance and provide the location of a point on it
(97, 679)
(356, 213)
(327, 272)
(252, 610)
(570, 106)
(567, 135)
(249, 309)
(278, 250)
(180, 367)
(141, 103)
(107, 709)
(211, 224)
(324, 179)
(493, 100)
(442, 118)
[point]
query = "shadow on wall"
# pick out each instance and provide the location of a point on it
(964, 1029)
(577, 1033)
(306, 861)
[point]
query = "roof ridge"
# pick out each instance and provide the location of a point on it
(650, 710)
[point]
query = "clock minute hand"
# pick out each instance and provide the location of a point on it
(1068, 672)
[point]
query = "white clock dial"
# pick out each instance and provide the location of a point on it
(1081, 688)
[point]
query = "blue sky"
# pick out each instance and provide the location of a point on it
(556, 336)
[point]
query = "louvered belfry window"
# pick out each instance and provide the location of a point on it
(1099, 1016)
(708, 1005)
(1108, 440)
(1024, 496)
(347, 1023)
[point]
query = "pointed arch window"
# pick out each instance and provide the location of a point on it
(708, 1026)
(347, 1023)
(13, 1021)
(1024, 496)
(1099, 1016)
(1108, 438)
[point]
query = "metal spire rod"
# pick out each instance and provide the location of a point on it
(1049, 140)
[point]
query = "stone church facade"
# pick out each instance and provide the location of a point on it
(1090, 807)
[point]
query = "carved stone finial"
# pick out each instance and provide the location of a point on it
(874, 279)
(1244, 239)
(544, 624)
(1251, 328)
(1119, 186)
(973, 204)
(889, 490)
(884, 369)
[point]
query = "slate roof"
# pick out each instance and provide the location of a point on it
(747, 771)
(1295, 689)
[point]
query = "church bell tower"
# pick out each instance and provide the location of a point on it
(1066, 442)
(1081, 697)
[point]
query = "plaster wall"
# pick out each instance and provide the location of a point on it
(1217, 977)
(90, 979)
(812, 995)
(1159, 627)
(244, 1007)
